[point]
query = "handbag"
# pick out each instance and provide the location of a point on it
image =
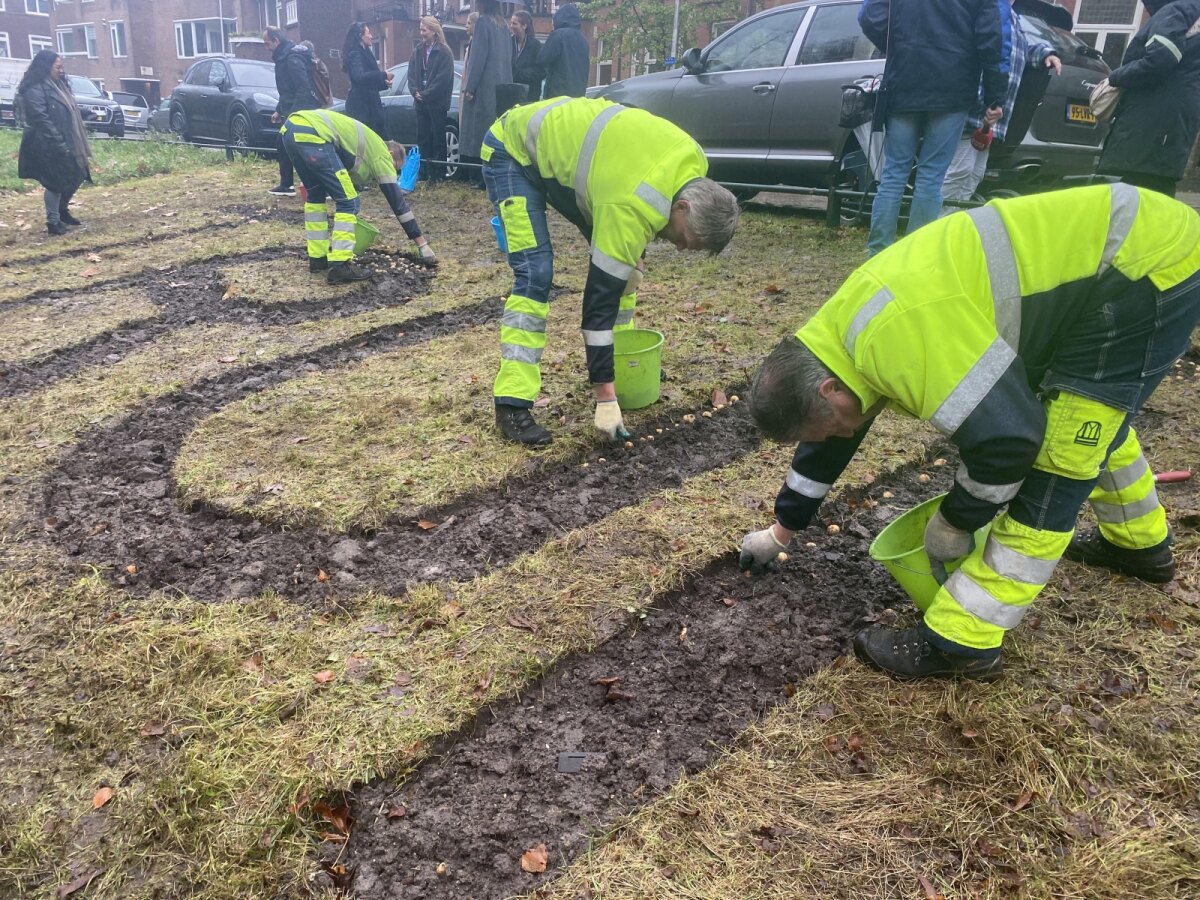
(408, 174)
(1103, 100)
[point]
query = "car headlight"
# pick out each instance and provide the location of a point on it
(264, 101)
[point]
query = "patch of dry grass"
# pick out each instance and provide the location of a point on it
(36, 330)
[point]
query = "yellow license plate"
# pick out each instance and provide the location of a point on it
(1078, 112)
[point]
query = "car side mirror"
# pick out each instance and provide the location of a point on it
(692, 61)
(223, 85)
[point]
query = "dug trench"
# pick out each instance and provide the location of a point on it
(606, 731)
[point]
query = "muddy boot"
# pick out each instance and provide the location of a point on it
(907, 654)
(518, 425)
(66, 218)
(1155, 564)
(318, 264)
(56, 228)
(344, 273)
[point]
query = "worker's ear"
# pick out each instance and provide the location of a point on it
(681, 204)
(830, 387)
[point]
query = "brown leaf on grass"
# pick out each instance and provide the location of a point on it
(101, 797)
(299, 440)
(541, 402)
(451, 609)
(90, 272)
(970, 734)
(324, 677)
(832, 743)
(855, 743)
(772, 288)
(322, 576)
(517, 620)
(396, 811)
(253, 662)
(403, 679)
(1023, 800)
(931, 893)
(66, 890)
(534, 859)
(718, 398)
(789, 690)
(1162, 623)
(230, 292)
(465, 439)
(131, 569)
(481, 688)
(232, 358)
(301, 800)
(426, 524)
(93, 257)
(153, 729)
(337, 816)
(824, 712)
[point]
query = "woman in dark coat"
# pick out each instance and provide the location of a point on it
(526, 68)
(1158, 116)
(431, 82)
(54, 147)
(366, 79)
(489, 64)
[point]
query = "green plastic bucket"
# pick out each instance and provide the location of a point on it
(364, 236)
(637, 358)
(901, 549)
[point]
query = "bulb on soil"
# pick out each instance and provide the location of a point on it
(443, 869)
(834, 529)
(601, 459)
(734, 399)
(689, 419)
(629, 445)
(939, 462)
(707, 414)
(782, 557)
(810, 544)
(923, 478)
(888, 495)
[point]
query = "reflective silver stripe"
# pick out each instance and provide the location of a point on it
(974, 387)
(517, 353)
(1124, 211)
(866, 313)
(523, 322)
(1119, 514)
(1124, 477)
(992, 493)
(624, 317)
(360, 156)
(652, 198)
(806, 487)
(614, 267)
(583, 166)
(1008, 563)
(597, 338)
(975, 599)
(1169, 44)
(322, 235)
(408, 216)
(1002, 272)
(316, 217)
(535, 125)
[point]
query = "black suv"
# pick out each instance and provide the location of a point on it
(229, 101)
(99, 113)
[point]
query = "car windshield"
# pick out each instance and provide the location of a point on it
(253, 76)
(83, 87)
(1063, 41)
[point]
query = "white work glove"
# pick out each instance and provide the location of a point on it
(608, 420)
(759, 551)
(944, 543)
(634, 282)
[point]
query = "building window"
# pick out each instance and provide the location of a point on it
(270, 13)
(39, 42)
(604, 65)
(293, 15)
(541, 7)
(77, 40)
(5, 53)
(202, 37)
(116, 31)
(37, 7)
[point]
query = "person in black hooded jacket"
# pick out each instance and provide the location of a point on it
(1158, 116)
(565, 55)
(294, 82)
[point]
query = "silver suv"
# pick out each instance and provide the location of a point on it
(763, 100)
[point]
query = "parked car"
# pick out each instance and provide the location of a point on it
(400, 118)
(135, 108)
(763, 100)
(160, 116)
(226, 100)
(99, 113)
(11, 72)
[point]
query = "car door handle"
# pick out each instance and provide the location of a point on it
(763, 87)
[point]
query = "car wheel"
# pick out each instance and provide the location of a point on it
(451, 151)
(179, 123)
(853, 175)
(118, 129)
(239, 132)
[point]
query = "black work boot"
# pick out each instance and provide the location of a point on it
(518, 425)
(1156, 564)
(908, 654)
(66, 218)
(56, 228)
(318, 263)
(344, 273)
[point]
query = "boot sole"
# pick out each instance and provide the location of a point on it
(1153, 576)
(987, 676)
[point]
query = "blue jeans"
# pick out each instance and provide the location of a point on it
(930, 139)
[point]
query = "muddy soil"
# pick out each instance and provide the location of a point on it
(648, 707)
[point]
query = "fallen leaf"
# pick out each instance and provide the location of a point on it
(93, 257)
(403, 678)
(465, 439)
(82, 881)
(517, 620)
(90, 272)
(131, 569)
(451, 609)
(1023, 800)
(481, 688)
(299, 440)
(153, 729)
(101, 797)
(541, 402)
(337, 816)
(719, 399)
(772, 289)
(824, 712)
(607, 682)
(534, 859)
(227, 359)
(324, 676)
(970, 733)
(396, 811)
(332, 837)
(301, 800)
(253, 662)
(930, 892)
(322, 576)
(230, 292)
(855, 743)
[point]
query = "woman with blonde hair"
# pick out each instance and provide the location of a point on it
(431, 81)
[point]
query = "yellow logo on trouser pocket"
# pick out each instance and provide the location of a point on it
(1078, 432)
(1088, 434)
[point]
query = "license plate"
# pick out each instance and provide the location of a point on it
(1080, 112)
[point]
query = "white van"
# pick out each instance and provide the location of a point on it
(11, 71)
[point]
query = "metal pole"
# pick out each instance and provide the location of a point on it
(221, 23)
(675, 37)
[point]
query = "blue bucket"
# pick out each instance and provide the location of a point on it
(498, 227)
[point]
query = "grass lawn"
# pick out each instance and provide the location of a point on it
(156, 742)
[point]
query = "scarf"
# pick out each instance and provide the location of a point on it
(80, 148)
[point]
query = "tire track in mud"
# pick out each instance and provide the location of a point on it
(702, 666)
(197, 299)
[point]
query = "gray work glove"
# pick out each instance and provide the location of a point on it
(759, 551)
(609, 422)
(634, 282)
(944, 543)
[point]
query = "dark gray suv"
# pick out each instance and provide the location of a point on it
(763, 100)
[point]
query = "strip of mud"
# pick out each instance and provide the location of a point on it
(195, 294)
(650, 706)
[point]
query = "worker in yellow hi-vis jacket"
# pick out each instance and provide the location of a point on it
(623, 177)
(1030, 332)
(334, 155)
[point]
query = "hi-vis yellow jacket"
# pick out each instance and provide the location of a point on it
(959, 325)
(612, 170)
(366, 156)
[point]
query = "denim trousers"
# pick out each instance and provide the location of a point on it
(928, 138)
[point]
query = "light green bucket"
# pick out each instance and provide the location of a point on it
(901, 549)
(364, 236)
(637, 358)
